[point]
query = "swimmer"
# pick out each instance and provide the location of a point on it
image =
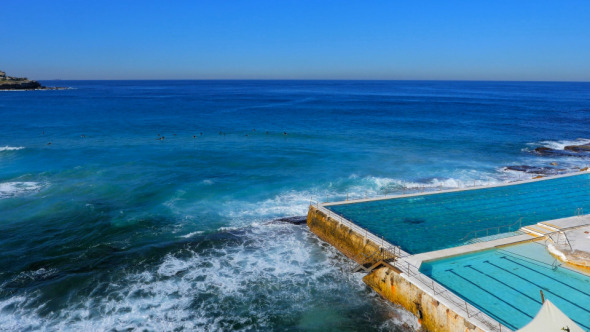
(285, 133)
(194, 136)
(49, 143)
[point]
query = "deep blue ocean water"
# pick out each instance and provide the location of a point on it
(110, 227)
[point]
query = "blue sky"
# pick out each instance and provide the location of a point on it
(284, 39)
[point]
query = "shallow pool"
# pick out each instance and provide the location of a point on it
(437, 221)
(506, 282)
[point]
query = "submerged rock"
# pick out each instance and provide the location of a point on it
(578, 148)
(534, 169)
(543, 150)
(297, 220)
(568, 151)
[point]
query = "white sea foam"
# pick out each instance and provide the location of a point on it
(11, 189)
(559, 145)
(11, 148)
(296, 203)
(290, 203)
(191, 234)
(271, 270)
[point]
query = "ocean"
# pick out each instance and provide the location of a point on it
(153, 205)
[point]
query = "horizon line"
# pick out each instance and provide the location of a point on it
(316, 79)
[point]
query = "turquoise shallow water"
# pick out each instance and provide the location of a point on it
(432, 222)
(111, 228)
(506, 283)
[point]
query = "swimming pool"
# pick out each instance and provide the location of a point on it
(438, 221)
(505, 283)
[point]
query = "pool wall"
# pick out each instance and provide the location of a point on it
(348, 241)
(388, 281)
(432, 314)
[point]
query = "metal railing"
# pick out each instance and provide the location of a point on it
(438, 290)
(556, 241)
(579, 212)
(494, 231)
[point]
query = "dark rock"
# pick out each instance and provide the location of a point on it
(18, 83)
(297, 220)
(544, 150)
(578, 148)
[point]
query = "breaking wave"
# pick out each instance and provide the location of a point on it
(561, 144)
(11, 148)
(296, 203)
(245, 279)
(12, 189)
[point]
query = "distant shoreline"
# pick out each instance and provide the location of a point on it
(11, 83)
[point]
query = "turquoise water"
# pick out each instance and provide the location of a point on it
(505, 283)
(432, 222)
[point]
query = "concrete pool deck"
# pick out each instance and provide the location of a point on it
(400, 281)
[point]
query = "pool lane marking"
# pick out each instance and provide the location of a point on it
(505, 284)
(486, 291)
(544, 288)
(557, 280)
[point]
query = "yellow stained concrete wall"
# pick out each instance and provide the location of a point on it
(388, 282)
(433, 315)
(344, 239)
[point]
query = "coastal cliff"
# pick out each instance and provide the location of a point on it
(18, 83)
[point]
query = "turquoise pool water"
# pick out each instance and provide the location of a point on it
(506, 282)
(432, 222)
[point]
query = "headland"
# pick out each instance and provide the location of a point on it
(22, 83)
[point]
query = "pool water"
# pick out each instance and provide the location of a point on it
(438, 221)
(505, 283)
